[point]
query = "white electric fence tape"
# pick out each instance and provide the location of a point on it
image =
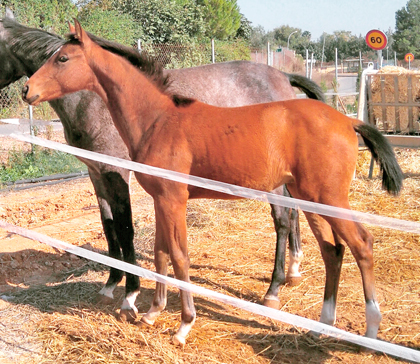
(304, 323)
(381, 346)
(386, 222)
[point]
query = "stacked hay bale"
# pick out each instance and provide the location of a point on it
(387, 74)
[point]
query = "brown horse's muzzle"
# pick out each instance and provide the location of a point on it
(31, 100)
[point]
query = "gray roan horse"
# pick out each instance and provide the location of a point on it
(87, 124)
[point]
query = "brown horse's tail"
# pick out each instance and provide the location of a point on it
(310, 88)
(384, 155)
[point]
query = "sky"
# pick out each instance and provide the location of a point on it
(318, 16)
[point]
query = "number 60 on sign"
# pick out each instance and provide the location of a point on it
(376, 40)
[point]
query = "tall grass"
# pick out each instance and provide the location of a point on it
(37, 163)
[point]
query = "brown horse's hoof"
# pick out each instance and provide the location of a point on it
(100, 299)
(143, 324)
(293, 281)
(127, 316)
(178, 340)
(272, 303)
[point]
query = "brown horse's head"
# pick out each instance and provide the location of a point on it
(57, 76)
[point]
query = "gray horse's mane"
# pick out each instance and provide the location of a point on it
(35, 44)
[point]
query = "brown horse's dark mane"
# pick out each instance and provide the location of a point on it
(146, 64)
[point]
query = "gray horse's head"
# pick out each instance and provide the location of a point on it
(11, 69)
(22, 49)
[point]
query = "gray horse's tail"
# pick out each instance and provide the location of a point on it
(310, 88)
(384, 155)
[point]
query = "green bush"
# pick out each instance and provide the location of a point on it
(38, 163)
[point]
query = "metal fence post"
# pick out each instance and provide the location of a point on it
(213, 58)
(312, 62)
(31, 125)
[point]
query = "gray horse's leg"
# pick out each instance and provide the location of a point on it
(286, 223)
(113, 195)
(107, 220)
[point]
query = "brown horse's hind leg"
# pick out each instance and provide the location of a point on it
(332, 251)
(360, 242)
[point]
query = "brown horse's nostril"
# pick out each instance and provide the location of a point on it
(24, 91)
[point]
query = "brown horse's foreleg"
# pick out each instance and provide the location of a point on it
(161, 265)
(360, 242)
(332, 252)
(171, 219)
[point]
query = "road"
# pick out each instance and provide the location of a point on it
(23, 125)
(347, 83)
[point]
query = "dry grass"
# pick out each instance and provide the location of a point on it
(387, 73)
(231, 249)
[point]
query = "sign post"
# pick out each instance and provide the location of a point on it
(377, 40)
(408, 58)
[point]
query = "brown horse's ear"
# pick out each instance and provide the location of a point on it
(72, 29)
(78, 30)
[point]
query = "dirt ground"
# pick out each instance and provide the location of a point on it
(49, 313)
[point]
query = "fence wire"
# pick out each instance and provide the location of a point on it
(11, 103)
(172, 56)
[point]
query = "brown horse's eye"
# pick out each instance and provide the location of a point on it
(63, 59)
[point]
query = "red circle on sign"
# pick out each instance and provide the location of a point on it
(376, 39)
(409, 57)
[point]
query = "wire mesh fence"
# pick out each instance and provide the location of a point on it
(173, 56)
(11, 103)
(282, 59)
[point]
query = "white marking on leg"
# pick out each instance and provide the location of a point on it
(129, 302)
(153, 313)
(373, 319)
(328, 312)
(182, 333)
(108, 291)
(294, 263)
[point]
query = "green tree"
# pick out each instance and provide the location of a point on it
(407, 29)
(222, 17)
(110, 24)
(259, 37)
(50, 15)
(245, 29)
(165, 21)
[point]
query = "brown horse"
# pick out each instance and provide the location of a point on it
(302, 143)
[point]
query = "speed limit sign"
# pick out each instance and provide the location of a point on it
(409, 57)
(376, 39)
